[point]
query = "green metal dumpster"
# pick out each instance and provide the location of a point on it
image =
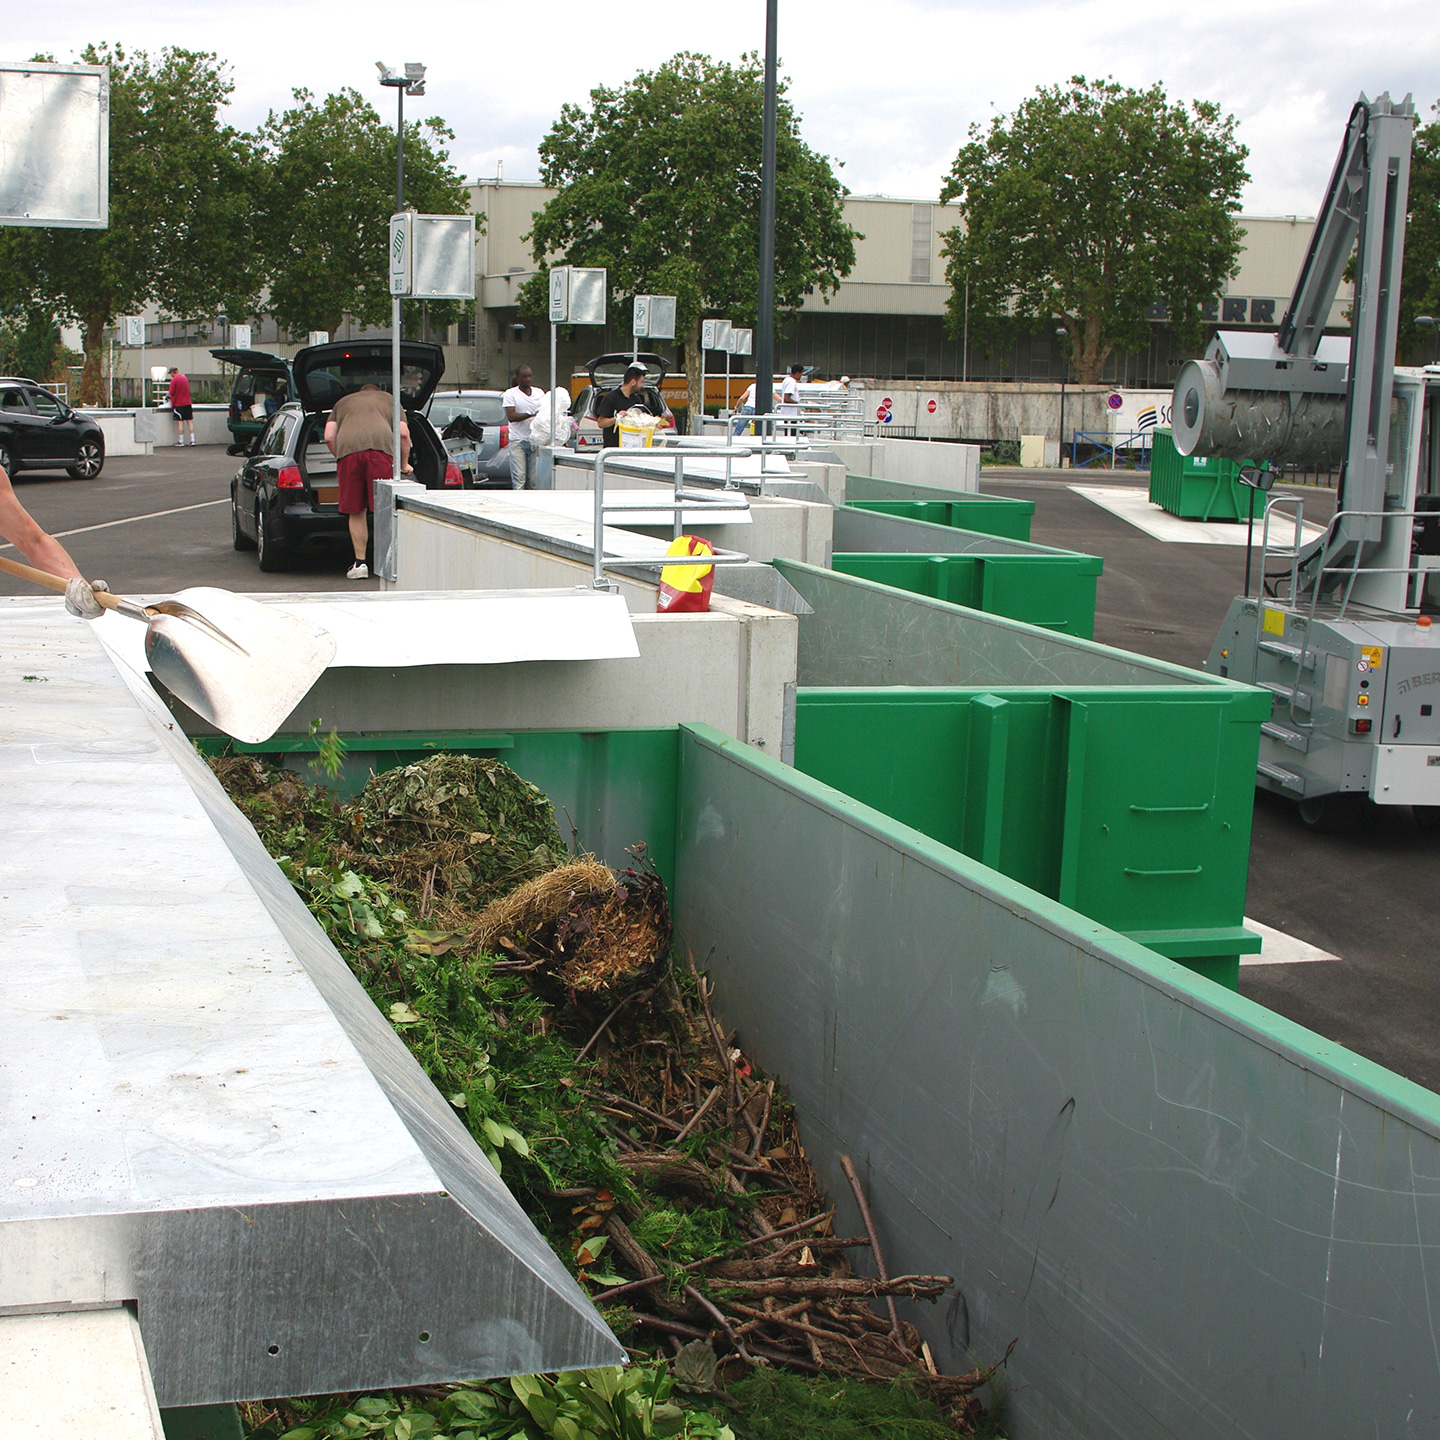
(990, 514)
(1196, 487)
(1119, 785)
(1056, 592)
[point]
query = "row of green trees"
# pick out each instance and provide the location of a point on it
(205, 218)
(1090, 206)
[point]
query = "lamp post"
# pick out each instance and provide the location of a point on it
(409, 81)
(1432, 324)
(765, 312)
(1064, 335)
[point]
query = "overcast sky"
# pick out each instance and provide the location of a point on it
(888, 90)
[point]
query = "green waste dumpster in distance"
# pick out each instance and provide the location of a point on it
(990, 514)
(1196, 487)
(1056, 591)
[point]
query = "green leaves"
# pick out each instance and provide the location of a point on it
(1090, 204)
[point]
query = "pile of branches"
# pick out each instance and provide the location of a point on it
(668, 1170)
(690, 1126)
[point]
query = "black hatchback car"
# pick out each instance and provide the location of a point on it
(38, 431)
(285, 498)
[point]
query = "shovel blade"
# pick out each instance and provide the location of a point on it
(246, 680)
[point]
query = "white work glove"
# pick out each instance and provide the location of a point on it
(80, 598)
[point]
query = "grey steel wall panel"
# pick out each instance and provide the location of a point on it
(871, 532)
(1196, 1218)
(862, 633)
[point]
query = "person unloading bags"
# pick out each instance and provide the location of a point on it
(614, 402)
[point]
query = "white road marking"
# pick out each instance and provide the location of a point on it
(1132, 504)
(131, 519)
(1282, 949)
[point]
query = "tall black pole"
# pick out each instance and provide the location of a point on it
(400, 151)
(765, 315)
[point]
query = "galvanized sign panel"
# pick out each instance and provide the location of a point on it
(654, 317)
(742, 342)
(587, 296)
(55, 146)
(132, 329)
(443, 257)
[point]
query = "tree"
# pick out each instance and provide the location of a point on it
(1090, 205)
(1420, 272)
(30, 345)
(659, 182)
(323, 222)
(181, 186)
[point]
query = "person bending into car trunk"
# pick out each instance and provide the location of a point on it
(618, 400)
(45, 552)
(359, 435)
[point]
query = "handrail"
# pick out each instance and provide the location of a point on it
(683, 500)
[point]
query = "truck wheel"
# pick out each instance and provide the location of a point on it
(1333, 814)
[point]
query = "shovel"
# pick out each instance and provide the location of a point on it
(239, 664)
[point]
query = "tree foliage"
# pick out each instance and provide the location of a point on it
(659, 182)
(1420, 272)
(181, 187)
(323, 221)
(1090, 205)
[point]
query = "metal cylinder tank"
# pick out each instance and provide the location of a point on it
(1304, 430)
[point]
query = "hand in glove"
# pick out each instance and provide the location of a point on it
(80, 598)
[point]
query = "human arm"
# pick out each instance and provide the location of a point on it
(405, 468)
(19, 528)
(332, 429)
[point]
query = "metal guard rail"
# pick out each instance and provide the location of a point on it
(719, 502)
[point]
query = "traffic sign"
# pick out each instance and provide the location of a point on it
(931, 407)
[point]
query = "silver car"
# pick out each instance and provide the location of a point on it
(476, 435)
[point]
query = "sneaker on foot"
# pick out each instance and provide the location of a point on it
(358, 571)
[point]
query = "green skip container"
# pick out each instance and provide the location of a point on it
(989, 514)
(1196, 487)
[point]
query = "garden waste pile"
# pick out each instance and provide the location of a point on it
(538, 992)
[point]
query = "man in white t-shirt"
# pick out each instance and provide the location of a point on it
(521, 402)
(789, 404)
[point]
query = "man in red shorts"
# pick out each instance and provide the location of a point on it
(359, 436)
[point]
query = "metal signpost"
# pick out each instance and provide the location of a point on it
(741, 343)
(714, 335)
(577, 297)
(432, 257)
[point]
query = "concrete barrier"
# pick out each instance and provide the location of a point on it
(943, 464)
(139, 432)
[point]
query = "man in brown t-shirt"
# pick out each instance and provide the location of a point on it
(358, 433)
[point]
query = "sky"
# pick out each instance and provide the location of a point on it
(888, 91)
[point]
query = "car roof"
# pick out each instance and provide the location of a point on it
(19, 380)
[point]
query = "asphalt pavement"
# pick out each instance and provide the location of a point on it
(160, 523)
(1367, 897)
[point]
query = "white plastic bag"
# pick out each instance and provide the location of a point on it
(565, 427)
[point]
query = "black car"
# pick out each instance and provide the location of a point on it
(40, 432)
(262, 385)
(285, 498)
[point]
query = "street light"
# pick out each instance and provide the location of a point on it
(1431, 323)
(1064, 335)
(410, 81)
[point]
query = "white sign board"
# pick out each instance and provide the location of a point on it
(559, 294)
(713, 333)
(442, 260)
(401, 245)
(318, 337)
(741, 341)
(55, 145)
(132, 330)
(240, 337)
(654, 317)
(1132, 412)
(577, 295)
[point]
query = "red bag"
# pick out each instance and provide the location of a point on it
(686, 587)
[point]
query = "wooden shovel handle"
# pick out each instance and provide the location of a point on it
(52, 582)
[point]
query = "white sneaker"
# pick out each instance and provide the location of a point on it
(358, 571)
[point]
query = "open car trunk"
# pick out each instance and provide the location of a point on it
(318, 465)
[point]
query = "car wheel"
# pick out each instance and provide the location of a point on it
(89, 460)
(1333, 814)
(271, 557)
(238, 538)
(5, 462)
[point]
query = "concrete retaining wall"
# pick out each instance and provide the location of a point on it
(138, 432)
(915, 462)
